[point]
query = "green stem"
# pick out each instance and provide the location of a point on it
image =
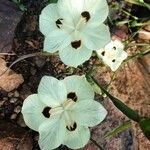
(119, 104)
(95, 143)
(138, 55)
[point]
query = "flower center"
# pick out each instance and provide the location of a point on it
(59, 23)
(65, 110)
(76, 44)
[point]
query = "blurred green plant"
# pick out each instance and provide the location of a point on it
(119, 129)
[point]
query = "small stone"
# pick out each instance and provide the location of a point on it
(13, 100)
(17, 109)
(16, 94)
(13, 116)
(10, 94)
(5, 98)
(1, 103)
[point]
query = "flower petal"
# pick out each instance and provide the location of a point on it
(91, 113)
(72, 11)
(51, 91)
(32, 112)
(56, 40)
(98, 10)
(52, 133)
(75, 57)
(113, 54)
(48, 18)
(96, 37)
(78, 138)
(80, 86)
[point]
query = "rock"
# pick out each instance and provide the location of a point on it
(9, 18)
(17, 109)
(13, 137)
(144, 35)
(132, 86)
(147, 27)
(9, 80)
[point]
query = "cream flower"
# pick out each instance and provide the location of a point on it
(75, 28)
(62, 111)
(113, 54)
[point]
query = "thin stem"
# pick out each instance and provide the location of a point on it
(138, 55)
(28, 56)
(8, 54)
(95, 143)
(128, 14)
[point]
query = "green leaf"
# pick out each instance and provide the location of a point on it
(95, 87)
(118, 130)
(145, 126)
(130, 113)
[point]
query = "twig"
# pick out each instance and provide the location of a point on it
(25, 57)
(8, 54)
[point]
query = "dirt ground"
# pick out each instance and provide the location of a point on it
(131, 84)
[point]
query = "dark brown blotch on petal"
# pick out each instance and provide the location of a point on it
(72, 128)
(114, 48)
(103, 53)
(86, 15)
(46, 112)
(72, 96)
(76, 44)
(59, 23)
(113, 60)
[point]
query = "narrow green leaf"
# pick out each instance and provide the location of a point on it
(130, 113)
(95, 87)
(145, 126)
(118, 130)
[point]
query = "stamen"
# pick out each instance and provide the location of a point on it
(76, 44)
(72, 96)
(86, 15)
(46, 112)
(72, 127)
(59, 23)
